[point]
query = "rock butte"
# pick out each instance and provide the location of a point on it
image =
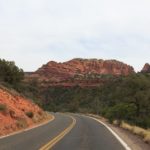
(146, 68)
(62, 72)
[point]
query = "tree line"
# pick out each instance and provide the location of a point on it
(124, 98)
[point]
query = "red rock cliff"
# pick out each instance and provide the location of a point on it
(146, 68)
(54, 71)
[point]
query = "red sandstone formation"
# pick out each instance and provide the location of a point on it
(146, 68)
(58, 72)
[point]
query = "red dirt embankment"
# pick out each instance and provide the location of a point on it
(17, 112)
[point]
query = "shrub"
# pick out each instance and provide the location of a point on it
(145, 134)
(147, 138)
(30, 114)
(126, 126)
(21, 123)
(12, 113)
(121, 112)
(10, 73)
(2, 107)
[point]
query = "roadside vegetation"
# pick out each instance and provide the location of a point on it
(30, 114)
(3, 107)
(10, 73)
(143, 133)
(124, 98)
(12, 78)
(16, 110)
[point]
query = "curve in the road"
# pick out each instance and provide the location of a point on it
(50, 144)
(88, 134)
(118, 138)
(34, 139)
(64, 133)
(28, 129)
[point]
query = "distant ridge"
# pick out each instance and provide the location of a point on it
(146, 68)
(83, 68)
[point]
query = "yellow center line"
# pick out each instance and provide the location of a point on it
(50, 144)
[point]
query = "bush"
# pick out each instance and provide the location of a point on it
(30, 114)
(21, 123)
(121, 112)
(10, 73)
(3, 107)
(145, 134)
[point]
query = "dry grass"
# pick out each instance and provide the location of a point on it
(147, 138)
(126, 126)
(116, 122)
(139, 131)
(21, 123)
(145, 134)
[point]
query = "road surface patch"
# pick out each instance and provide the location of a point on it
(50, 144)
(116, 135)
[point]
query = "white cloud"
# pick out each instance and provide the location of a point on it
(35, 31)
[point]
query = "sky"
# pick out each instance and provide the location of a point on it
(33, 32)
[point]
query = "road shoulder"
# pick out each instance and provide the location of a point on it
(133, 141)
(51, 118)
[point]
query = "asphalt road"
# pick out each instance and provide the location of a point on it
(36, 138)
(87, 134)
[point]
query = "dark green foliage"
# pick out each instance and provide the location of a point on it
(124, 98)
(10, 73)
(3, 107)
(12, 78)
(29, 91)
(30, 114)
(121, 111)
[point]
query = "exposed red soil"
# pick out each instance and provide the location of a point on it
(14, 116)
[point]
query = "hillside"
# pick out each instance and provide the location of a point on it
(106, 87)
(17, 112)
(79, 72)
(124, 98)
(109, 88)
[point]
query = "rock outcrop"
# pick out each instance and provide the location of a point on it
(146, 68)
(79, 71)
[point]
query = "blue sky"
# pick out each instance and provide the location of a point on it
(33, 32)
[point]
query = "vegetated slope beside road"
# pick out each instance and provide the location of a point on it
(16, 112)
(126, 98)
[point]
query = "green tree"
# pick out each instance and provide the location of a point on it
(10, 73)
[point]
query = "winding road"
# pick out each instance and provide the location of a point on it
(65, 132)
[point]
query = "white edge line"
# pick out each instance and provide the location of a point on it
(27, 129)
(116, 135)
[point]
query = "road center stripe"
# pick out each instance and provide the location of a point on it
(50, 144)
